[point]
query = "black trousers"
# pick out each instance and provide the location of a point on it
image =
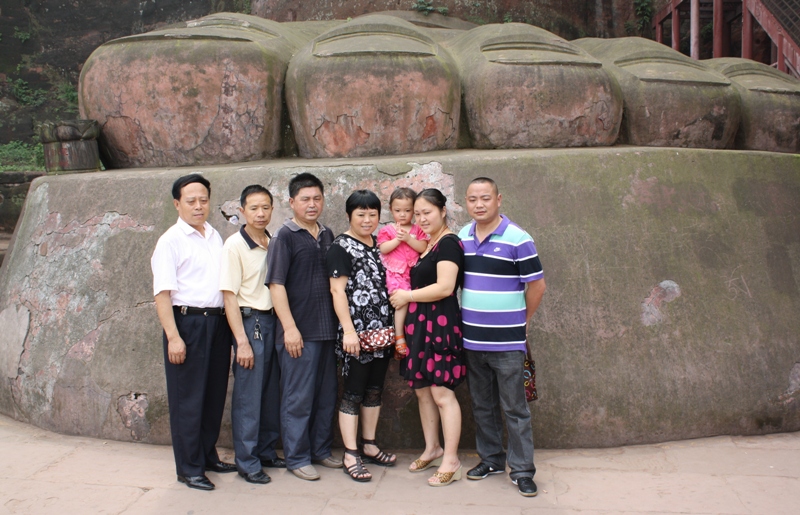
(196, 390)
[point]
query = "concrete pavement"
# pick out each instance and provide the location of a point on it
(43, 472)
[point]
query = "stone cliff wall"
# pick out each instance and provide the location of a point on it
(671, 309)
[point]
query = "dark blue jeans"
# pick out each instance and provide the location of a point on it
(495, 384)
(308, 402)
(255, 405)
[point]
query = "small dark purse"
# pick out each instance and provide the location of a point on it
(375, 339)
(529, 376)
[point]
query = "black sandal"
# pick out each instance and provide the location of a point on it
(356, 471)
(384, 459)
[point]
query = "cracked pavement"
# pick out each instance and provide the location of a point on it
(44, 472)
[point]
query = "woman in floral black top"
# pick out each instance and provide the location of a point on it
(361, 302)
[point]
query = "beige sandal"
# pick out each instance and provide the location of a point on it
(445, 478)
(420, 464)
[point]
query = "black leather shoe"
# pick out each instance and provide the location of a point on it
(259, 478)
(221, 467)
(526, 486)
(198, 482)
(481, 470)
(277, 463)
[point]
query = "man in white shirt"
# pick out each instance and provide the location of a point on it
(197, 339)
(255, 405)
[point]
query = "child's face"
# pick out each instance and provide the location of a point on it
(402, 211)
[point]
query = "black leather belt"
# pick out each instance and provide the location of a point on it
(188, 310)
(246, 312)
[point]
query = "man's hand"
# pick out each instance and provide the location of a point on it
(176, 351)
(244, 354)
(293, 341)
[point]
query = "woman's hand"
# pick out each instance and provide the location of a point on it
(400, 298)
(350, 343)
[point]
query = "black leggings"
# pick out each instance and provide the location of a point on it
(363, 384)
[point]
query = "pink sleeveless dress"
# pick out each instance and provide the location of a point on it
(398, 262)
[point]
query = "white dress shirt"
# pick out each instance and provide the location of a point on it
(187, 264)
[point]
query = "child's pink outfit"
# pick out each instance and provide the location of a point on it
(398, 262)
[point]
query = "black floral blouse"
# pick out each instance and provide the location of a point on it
(366, 291)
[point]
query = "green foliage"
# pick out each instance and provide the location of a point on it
(644, 14)
(242, 6)
(67, 94)
(21, 35)
(237, 6)
(707, 32)
(507, 18)
(25, 95)
(19, 156)
(477, 20)
(426, 7)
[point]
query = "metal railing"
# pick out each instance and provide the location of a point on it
(787, 12)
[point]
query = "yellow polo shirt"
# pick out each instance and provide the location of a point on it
(244, 268)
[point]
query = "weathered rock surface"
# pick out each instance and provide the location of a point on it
(670, 99)
(671, 309)
(525, 87)
(376, 85)
(207, 91)
(770, 105)
(13, 188)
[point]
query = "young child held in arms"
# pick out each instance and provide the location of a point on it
(401, 244)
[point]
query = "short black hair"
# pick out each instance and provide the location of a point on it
(402, 193)
(486, 180)
(362, 199)
(252, 189)
(304, 180)
(186, 180)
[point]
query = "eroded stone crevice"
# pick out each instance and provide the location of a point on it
(132, 409)
(340, 137)
(794, 380)
(663, 292)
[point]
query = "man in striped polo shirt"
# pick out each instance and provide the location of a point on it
(503, 286)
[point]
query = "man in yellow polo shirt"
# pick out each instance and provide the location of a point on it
(255, 406)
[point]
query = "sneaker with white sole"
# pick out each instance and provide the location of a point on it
(482, 470)
(526, 486)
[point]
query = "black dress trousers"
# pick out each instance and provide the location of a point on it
(196, 390)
